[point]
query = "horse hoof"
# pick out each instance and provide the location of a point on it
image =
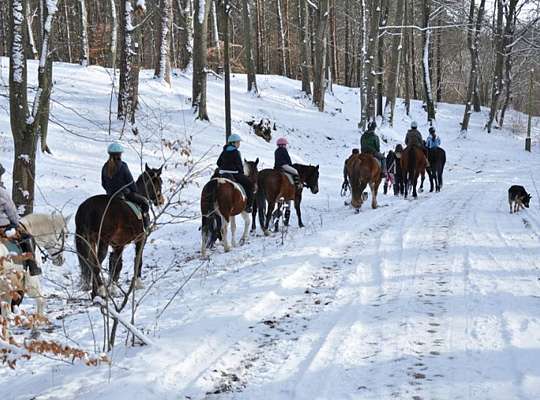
(102, 292)
(227, 249)
(139, 283)
(301, 225)
(357, 211)
(113, 291)
(267, 233)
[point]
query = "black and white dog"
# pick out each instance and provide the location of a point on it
(518, 198)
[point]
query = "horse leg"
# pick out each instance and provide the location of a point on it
(115, 266)
(245, 216)
(277, 215)
(139, 248)
(33, 289)
(224, 231)
(414, 183)
(253, 219)
(297, 202)
(269, 212)
(233, 231)
(421, 189)
(374, 186)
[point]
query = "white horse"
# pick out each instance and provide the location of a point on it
(50, 234)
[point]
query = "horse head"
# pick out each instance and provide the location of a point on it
(150, 185)
(251, 170)
(50, 234)
(309, 175)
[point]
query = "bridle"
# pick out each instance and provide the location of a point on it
(46, 255)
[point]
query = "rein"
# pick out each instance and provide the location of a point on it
(46, 255)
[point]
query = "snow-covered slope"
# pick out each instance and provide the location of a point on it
(421, 299)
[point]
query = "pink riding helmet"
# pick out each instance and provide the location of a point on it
(282, 142)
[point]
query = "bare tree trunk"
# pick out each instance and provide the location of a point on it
(248, 47)
(163, 61)
(114, 34)
(380, 57)
(215, 29)
(511, 17)
(428, 91)
(413, 55)
(287, 37)
(25, 123)
(259, 50)
(371, 67)
(281, 39)
(438, 61)
(393, 70)
(200, 24)
(185, 34)
(304, 47)
(499, 64)
(68, 32)
(347, 45)
(29, 17)
(333, 48)
(473, 42)
(362, 60)
(320, 54)
(84, 58)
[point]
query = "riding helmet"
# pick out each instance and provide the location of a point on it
(234, 138)
(372, 126)
(431, 129)
(282, 142)
(115, 148)
(414, 125)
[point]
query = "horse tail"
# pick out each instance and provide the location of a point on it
(411, 165)
(211, 221)
(261, 203)
(84, 249)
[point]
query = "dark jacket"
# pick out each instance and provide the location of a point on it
(281, 157)
(231, 160)
(414, 138)
(121, 182)
(369, 143)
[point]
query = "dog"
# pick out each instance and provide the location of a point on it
(518, 198)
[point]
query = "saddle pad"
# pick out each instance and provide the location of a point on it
(135, 208)
(236, 185)
(12, 247)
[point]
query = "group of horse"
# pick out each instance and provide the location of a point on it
(222, 199)
(365, 170)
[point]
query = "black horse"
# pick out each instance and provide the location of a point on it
(437, 160)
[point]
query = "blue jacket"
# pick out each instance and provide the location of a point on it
(121, 182)
(281, 157)
(433, 143)
(231, 160)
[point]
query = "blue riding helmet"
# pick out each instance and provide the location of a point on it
(234, 138)
(115, 148)
(414, 124)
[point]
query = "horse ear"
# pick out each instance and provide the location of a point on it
(317, 167)
(146, 167)
(159, 170)
(257, 161)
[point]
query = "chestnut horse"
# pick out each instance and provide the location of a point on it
(413, 164)
(221, 200)
(102, 221)
(363, 169)
(274, 186)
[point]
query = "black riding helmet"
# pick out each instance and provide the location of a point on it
(431, 129)
(372, 125)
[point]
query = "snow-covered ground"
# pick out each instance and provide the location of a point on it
(435, 298)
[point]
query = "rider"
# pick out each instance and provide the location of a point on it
(117, 180)
(282, 161)
(9, 221)
(369, 144)
(345, 175)
(230, 162)
(433, 141)
(414, 138)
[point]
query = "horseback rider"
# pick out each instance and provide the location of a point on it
(10, 226)
(369, 144)
(230, 162)
(117, 181)
(282, 161)
(345, 184)
(414, 138)
(433, 141)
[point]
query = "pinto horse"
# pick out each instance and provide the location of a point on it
(363, 169)
(413, 164)
(102, 221)
(274, 186)
(221, 200)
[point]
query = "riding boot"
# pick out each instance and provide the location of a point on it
(146, 221)
(32, 267)
(384, 170)
(297, 182)
(30, 264)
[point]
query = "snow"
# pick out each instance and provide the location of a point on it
(430, 298)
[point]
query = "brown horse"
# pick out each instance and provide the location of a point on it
(274, 186)
(102, 221)
(221, 200)
(413, 164)
(363, 169)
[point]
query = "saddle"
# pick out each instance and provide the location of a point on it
(135, 208)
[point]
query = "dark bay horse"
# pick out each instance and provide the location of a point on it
(437, 160)
(413, 164)
(102, 221)
(274, 186)
(363, 169)
(221, 200)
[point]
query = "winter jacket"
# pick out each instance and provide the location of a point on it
(8, 211)
(281, 157)
(433, 142)
(369, 143)
(120, 183)
(231, 160)
(414, 138)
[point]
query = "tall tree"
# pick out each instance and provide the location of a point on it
(426, 67)
(84, 58)
(393, 70)
(201, 8)
(281, 39)
(162, 69)
(248, 47)
(321, 38)
(496, 87)
(27, 125)
(185, 24)
(370, 70)
(305, 48)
